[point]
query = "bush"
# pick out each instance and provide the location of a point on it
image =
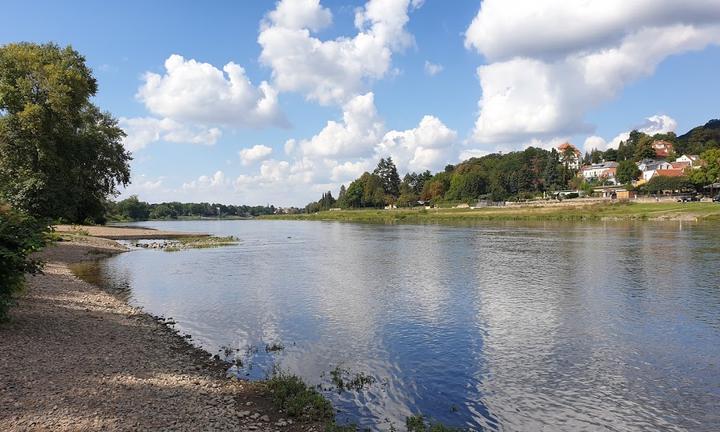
(293, 396)
(20, 235)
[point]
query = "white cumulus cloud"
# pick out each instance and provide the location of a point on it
(551, 61)
(655, 124)
(428, 146)
(191, 100)
(201, 93)
(332, 71)
(356, 135)
(142, 131)
(254, 153)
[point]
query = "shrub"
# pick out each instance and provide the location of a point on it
(20, 236)
(297, 399)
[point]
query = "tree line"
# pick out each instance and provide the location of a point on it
(132, 209)
(527, 174)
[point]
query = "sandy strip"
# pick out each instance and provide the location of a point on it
(74, 357)
(122, 233)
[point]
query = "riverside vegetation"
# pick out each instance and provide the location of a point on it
(589, 212)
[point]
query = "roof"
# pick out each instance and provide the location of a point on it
(669, 173)
(691, 157)
(610, 171)
(598, 166)
(680, 165)
(651, 164)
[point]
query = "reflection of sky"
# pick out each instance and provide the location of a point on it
(510, 326)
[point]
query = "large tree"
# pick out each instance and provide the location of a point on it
(627, 171)
(60, 156)
(387, 171)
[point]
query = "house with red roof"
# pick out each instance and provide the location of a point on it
(662, 148)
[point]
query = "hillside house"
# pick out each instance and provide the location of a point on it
(649, 166)
(662, 148)
(600, 171)
(692, 160)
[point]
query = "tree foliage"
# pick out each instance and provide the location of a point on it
(627, 171)
(660, 184)
(325, 203)
(366, 191)
(387, 172)
(60, 156)
(20, 236)
(133, 209)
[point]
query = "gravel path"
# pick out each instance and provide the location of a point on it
(74, 357)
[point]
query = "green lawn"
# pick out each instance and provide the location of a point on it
(593, 212)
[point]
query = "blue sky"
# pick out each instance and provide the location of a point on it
(428, 82)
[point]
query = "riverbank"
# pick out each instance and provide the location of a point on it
(662, 211)
(75, 357)
(122, 233)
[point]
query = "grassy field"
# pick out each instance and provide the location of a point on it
(591, 212)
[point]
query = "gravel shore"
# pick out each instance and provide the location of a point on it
(122, 233)
(74, 357)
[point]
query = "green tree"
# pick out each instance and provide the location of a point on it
(407, 197)
(627, 171)
(341, 195)
(20, 236)
(387, 172)
(644, 151)
(133, 209)
(353, 196)
(373, 190)
(60, 156)
(551, 175)
(466, 186)
(709, 172)
(610, 155)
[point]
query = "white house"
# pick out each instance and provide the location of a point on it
(649, 166)
(605, 170)
(692, 160)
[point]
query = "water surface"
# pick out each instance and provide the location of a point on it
(504, 326)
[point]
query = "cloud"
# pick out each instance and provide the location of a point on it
(355, 136)
(552, 61)
(332, 71)
(472, 153)
(655, 124)
(192, 100)
(433, 69)
(254, 153)
(594, 142)
(204, 183)
(142, 131)
(505, 29)
(425, 147)
(300, 14)
(348, 171)
(191, 91)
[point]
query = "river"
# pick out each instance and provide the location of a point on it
(495, 326)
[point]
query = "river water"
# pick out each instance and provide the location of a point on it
(503, 326)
